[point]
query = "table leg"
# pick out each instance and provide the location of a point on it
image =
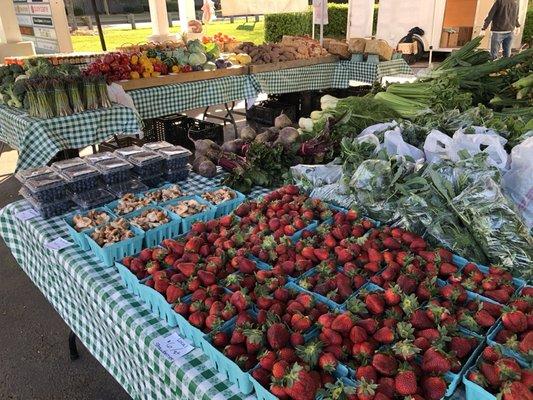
(232, 120)
(73, 348)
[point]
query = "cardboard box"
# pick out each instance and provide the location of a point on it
(379, 47)
(465, 35)
(356, 45)
(338, 48)
(407, 48)
(449, 37)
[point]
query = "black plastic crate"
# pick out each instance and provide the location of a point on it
(151, 134)
(119, 142)
(182, 130)
(265, 112)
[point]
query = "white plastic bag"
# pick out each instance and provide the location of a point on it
(118, 95)
(517, 183)
(490, 143)
(437, 146)
(369, 138)
(395, 145)
(316, 175)
(378, 128)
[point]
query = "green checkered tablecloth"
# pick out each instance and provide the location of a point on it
(368, 72)
(113, 324)
(171, 99)
(313, 77)
(39, 140)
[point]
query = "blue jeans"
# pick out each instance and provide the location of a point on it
(498, 39)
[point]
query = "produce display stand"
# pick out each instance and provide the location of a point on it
(38, 140)
(112, 323)
(175, 78)
(286, 77)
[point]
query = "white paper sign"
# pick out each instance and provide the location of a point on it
(26, 214)
(58, 244)
(173, 346)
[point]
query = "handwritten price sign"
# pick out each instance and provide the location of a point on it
(173, 346)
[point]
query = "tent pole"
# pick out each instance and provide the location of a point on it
(98, 25)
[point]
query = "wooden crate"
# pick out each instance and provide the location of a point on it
(182, 77)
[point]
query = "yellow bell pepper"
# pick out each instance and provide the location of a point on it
(146, 74)
(134, 75)
(155, 73)
(134, 60)
(175, 68)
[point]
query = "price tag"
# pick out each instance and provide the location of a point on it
(58, 244)
(173, 346)
(26, 214)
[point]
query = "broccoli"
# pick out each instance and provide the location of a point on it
(4, 71)
(16, 69)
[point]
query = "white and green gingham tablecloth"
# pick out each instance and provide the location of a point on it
(38, 140)
(171, 99)
(113, 324)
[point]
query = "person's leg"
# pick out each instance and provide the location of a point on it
(507, 43)
(495, 42)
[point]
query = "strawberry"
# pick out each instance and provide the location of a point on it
(300, 384)
(297, 339)
(262, 376)
(375, 303)
(526, 344)
(405, 382)
(490, 373)
(508, 369)
(329, 336)
(516, 391)
(515, 321)
(434, 361)
(366, 372)
(484, 319)
(343, 322)
(392, 295)
(254, 340)
(233, 351)
(366, 390)
(267, 359)
(321, 254)
(434, 387)
(477, 378)
(358, 334)
(384, 335)
(500, 295)
(491, 354)
(327, 362)
(279, 369)
(197, 319)
(220, 339)
(240, 301)
(363, 349)
(288, 354)
(462, 346)
(278, 336)
(385, 364)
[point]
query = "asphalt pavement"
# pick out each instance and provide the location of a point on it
(34, 355)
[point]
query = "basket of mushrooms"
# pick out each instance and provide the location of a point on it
(157, 223)
(115, 240)
(191, 209)
(224, 199)
(78, 222)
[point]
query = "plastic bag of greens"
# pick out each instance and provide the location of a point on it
(378, 129)
(374, 185)
(496, 227)
(437, 146)
(426, 213)
(395, 145)
(518, 182)
(488, 142)
(309, 176)
(334, 194)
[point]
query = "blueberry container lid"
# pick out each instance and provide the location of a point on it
(100, 157)
(144, 158)
(131, 186)
(113, 165)
(32, 172)
(175, 152)
(92, 198)
(129, 151)
(66, 164)
(76, 174)
(43, 182)
(157, 145)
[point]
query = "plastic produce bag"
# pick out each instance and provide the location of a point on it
(517, 183)
(437, 146)
(309, 176)
(496, 227)
(395, 145)
(490, 143)
(378, 129)
(374, 185)
(334, 194)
